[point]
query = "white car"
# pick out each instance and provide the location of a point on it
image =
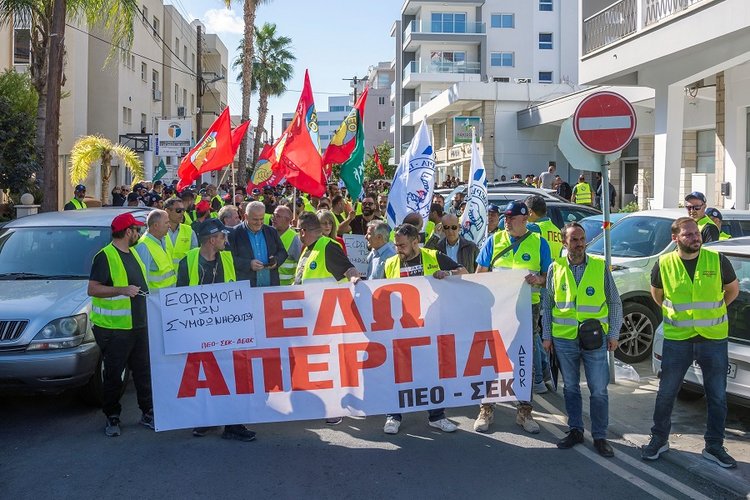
(738, 374)
(638, 240)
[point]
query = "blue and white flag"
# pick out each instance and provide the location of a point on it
(474, 217)
(413, 182)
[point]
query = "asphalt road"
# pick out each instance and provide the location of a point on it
(54, 447)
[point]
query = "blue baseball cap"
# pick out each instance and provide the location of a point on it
(517, 207)
(80, 188)
(696, 195)
(714, 212)
(493, 208)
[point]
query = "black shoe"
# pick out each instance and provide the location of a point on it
(334, 420)
(199, 432)
(574, 437)
(604, 448)
(112, 427)
(147, 419)
(238, 432)
(654, 448)
(719, 456)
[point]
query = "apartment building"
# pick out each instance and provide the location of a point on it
(328, 121)
(124, 97)
(487, 60)
(379, 107)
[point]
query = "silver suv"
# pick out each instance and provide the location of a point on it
(46, 341)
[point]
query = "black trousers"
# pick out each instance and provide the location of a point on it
(120, 349)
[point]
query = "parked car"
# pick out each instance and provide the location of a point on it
(638, 240)
(593, 225)
(738, 312)
(559, 212)
(507, 190)
(46, 340)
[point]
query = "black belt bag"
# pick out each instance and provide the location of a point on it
(590, 334)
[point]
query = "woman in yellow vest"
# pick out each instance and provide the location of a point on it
(693, 286)
(582, 192)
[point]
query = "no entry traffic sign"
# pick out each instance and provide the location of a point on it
(604, 122)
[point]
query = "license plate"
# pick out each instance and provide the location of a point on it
(731, 371)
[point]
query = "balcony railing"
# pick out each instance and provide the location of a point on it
(410, 107)
(445, 29)
(625, 17)
(463, 67)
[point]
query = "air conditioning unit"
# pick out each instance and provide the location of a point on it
(501, 79)
(157, 95)
(181, 112)
(523, 80)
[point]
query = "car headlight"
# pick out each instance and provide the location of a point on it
(60, 333)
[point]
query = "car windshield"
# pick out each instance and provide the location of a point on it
(592, 227)
(739, 310)
(636, 236)
(49, 253)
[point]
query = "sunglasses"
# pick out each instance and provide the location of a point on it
(452, 228)
(694, 207)
(179, 210)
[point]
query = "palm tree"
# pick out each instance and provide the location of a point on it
(92, 149)
(46, 19)
(272, 69)
(249, 10)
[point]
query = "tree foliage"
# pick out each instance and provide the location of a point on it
(92, 149)
(385, 151)
(18, 161)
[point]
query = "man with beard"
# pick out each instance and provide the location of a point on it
(118, 288)
(693, 286)
(359, 224)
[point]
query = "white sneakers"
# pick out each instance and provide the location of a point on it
(391, 425)
(485, 418)
(444, 425)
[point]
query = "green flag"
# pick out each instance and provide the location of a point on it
(161, 171)
(353, 169)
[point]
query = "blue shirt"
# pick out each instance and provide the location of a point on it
(376, 261)
(260, 250)
(484, 258)
(452, 250)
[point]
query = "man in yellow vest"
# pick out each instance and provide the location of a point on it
(179, 233)
(693, 286)
(118, 288)
(547, 229)
(517, 248)
(695, 203)
(188, 203)
(156, 252)
(282, 218)
(206, 265)
(77, 203)
(582, 192)
(717, 218)
(581, 291)
(213, 198)
(412, 260)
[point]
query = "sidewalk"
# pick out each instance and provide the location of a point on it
(631, 408)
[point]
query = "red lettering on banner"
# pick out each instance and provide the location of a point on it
(301, 367)
(410, 305)
(350, 365)
(190, 382)
(402, 360)
(273, 307)
(243, 370)
(341, 297)
(498, 357)
(446, 356)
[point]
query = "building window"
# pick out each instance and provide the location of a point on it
(145, 13)
(381, 125)
(384, 80)
(503, 20)
(545, 5)
(155, 25)
(21, 46)
(184, 97)
(154, 80)
(144, 119)
(505, 59)
(447, 61)
(192, 103)
(381, 101)
(176, 94)
(192, 61)
(127, 115)
(184, 53)
(545, 77)
(144, 71)
(545, 41)
(177, 46)
(706, 151)
(448, 22)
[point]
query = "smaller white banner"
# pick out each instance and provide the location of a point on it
(207, 317)
(356, 250)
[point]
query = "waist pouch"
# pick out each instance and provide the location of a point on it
(590, 334)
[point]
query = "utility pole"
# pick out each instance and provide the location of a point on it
(271, 129)
(355, 80)
(199, 86)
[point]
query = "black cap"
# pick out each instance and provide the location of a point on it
(80, 188)
(696, 195)
(714, 212)
(210, 227)
(516, 208)
(132, 196)
(158, 183)
(493, 208)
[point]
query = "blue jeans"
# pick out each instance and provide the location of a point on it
(433, 415)
(677, 356)
(569, 356)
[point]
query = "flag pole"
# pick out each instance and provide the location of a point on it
(234, 185)
(294, 203)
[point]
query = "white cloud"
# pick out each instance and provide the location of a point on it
(223, 21)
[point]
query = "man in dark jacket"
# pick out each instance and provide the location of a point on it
(257, 248)
(454, 246)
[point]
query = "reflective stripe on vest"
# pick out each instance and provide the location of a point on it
(289, 266)
(80, 205)
(551, 233)
(315, 268)
(693, 307)
(165, 275)
(527, 256)
(227, 266)
(572, 307)
(582, 191)
(181, 244)
(114, 313)
(429, 264)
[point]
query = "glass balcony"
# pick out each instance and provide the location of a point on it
(460, 28)
(410, 107)
(461, 67)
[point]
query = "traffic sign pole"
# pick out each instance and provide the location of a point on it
(607, 245)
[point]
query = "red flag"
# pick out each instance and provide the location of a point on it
(266, 169)
(344, 141)
(376, 158)
(238, 134)
(213, 152)
(299, 146)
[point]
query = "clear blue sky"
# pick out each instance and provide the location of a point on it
(333, 39)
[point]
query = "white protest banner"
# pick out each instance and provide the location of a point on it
(381, 346)
(207, 317)
(356, 250)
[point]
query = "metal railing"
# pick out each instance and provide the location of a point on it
(463, 67)
(656, 10)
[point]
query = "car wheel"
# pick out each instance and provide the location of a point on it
(637, 332)
(91, 393)
(685, 394)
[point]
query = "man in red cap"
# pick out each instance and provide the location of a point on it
(118, 288)
(202, 212)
